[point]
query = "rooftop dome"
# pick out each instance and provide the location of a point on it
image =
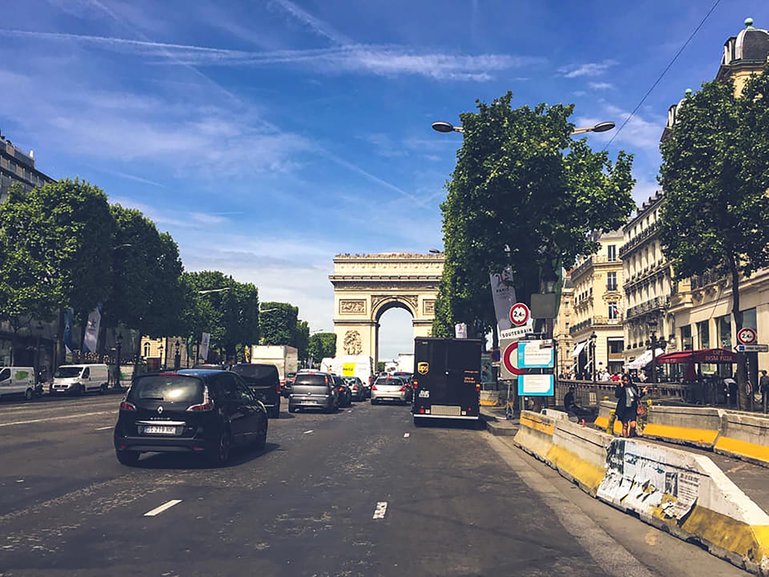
(751, 45)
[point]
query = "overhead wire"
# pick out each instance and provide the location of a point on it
(665, 71)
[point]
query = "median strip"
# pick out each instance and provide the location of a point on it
(164, 507)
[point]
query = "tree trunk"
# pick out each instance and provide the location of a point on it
(742, 375)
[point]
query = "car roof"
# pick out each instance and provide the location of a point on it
(200, 373)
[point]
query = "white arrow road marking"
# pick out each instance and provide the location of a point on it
(381, 510)
(165, 506)
(104, 428)
(406, 435)
(308, 432)
(57, 418)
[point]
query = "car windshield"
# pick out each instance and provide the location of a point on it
(168, 388)
(388, 381)
(68, 372)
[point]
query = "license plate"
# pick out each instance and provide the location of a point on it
(158, 430)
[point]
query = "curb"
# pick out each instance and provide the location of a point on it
(498, 427)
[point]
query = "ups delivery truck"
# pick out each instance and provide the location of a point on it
(447, 379)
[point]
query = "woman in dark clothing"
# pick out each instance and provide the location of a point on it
(628, 396)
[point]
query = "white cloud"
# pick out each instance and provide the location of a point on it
(587, 69)
(639, 132)
(601, 85)
(309, 21)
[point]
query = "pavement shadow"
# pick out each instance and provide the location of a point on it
(452, 424)
(239, 456)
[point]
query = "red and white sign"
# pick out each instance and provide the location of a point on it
(510, 359)
(519, 314)
(747, 336)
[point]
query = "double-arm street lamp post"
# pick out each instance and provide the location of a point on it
(654, 344)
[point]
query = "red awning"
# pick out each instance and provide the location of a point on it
(701, 356)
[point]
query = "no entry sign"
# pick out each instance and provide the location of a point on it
(509, 361)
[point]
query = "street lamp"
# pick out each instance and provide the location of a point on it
(435, 251)
(177, 355)
(118, 349)
(654, 344)
(443, 126)
(593, 339)
(216, 290)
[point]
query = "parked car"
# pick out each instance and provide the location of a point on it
(19, 381)
(202, 411)
(390, 389)
(313, 390)
(345, 392)
(264, 382)
(289, 380)
(79, 379)
(356, 387)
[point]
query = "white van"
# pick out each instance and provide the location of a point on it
(79, 379)
(18, 381)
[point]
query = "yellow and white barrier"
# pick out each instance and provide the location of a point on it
(745, 436)
(698, 426)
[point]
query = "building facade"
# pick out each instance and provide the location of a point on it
(564, 341)
(598, 309)
(18, 167)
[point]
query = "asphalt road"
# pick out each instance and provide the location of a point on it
(358, 493)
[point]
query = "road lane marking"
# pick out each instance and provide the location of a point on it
(104, 428)
(381, 510)
(57, 418)
(164, 507)
(308, 432)
(406, 435)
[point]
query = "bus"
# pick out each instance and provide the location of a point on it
(447, 379)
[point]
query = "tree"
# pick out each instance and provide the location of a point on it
(321, 346)
(278, 323)
(521, 180)
(302, 339)
(715, 177)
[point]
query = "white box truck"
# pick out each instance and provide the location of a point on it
(284, 357)
(359, 366)
(406, 363)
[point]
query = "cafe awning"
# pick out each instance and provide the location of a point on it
(644, 359)
(701, 356)
(578, 349)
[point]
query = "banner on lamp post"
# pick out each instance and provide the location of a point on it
(205, 340)
(460, 331)
(503, 295)
(91, 333)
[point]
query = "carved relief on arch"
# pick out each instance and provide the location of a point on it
(411, 301)
(352, 306)
(352, 343)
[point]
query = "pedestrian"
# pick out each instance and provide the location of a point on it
(730, 388)
(628, 396)
(571, 406)
(763, 385)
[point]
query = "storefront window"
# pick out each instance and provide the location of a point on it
(749, 319)
(686, 338)
(724, 325)
(703, 334)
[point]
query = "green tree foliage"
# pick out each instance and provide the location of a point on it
(278, 323)
(321, 346)
(715, 175)
(302, 339)
(521, 180)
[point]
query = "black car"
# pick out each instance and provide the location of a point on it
(189, 411)
(345, 391)
(356, 387)
(264, 382)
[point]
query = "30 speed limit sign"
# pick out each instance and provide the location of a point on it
(747, 336)
(519, 314)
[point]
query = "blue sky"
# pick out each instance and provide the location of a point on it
(267, 136)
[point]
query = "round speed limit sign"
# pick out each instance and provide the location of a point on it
(747, 336)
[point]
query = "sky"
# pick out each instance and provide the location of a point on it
(269, 135)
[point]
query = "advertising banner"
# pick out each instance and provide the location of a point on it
(460, 331)
(205, 339)
(69, 320)
(91, 333)
(503, 294)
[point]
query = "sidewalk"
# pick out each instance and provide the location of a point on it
(496, 422)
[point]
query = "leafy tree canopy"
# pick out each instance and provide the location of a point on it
(278, 323)
(321, 346)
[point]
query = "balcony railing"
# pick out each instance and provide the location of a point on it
(597, 321)
(636, 241)
(657, 303)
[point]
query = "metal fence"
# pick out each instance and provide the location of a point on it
(589, 394)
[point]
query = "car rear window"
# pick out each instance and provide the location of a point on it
(310, 380)
(168, 388)
(257, 374)
(389, 381)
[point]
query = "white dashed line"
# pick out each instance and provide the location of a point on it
(104, 428)
(57, 418)
(381, 510)
(406, 435)
(308, 432)
(165, 506)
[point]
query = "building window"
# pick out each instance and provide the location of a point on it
(703, 332)
(616, 346)
(724, 326)
(611, 281)
(613, 311)
(749, 319)
(612, 252)
(146, 350)
(686, 338)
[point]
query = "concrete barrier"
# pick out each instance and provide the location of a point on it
(698, 426)
(605, 411)
(745, 436)
(535, 435)
(579, 454)
(489, 398)
(689, 496)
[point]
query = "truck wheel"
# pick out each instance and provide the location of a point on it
(28, 394)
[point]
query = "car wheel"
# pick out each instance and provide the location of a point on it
(220, 454)
(103, 389)
(374, 401)
(291, 409)
(274, 412)
(127, 458)
(261, 435)
(28, 394)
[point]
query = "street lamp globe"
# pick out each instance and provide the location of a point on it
(603, 126)
(443, 126)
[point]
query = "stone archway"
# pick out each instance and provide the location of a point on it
(367, 285)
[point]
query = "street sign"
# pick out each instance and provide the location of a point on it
(509, 362)
(536, 385)
(516, 333)
(534, 355)
(747, 336)
(519, 314)
(752, 348)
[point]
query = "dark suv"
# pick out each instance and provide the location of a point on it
(189, 411)
(264, 382)
(313, 390)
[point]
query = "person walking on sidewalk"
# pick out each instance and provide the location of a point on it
(628, 396)
(763, 385)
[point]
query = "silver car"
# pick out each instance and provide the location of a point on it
(390, 389)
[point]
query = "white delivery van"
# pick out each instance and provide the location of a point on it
(79, 379)
(17, 381)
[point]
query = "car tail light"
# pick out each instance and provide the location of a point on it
(403, 389)
(478, 387)
(373, 388)
(278, 388)
(206, 405)
(126, 406)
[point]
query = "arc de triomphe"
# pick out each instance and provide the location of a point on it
(368, 285)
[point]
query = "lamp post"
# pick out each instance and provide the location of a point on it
(177, 355)
(118, 349)
(443, 126)
(593, 339)
(654, 344)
